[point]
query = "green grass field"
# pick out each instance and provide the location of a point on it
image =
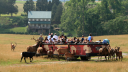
(10, 60)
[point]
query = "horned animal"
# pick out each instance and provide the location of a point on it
(27, 54)
(112, 53)
(34, 47)
(118, 53)
(50, 53)
(103, 51)
(63, 50)
(69, 56)
(13, 46)
(40, 50)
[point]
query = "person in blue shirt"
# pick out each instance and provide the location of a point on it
(90, 38)
(106, 41)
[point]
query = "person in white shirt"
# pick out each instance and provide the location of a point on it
(55, 36)
(49, 36)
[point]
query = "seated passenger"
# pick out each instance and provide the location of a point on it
(72, 41)
(54, 41)
(50, 41)
(85, 40)
(82, 39)
(90, 38)
(55, 36)
(106, 41)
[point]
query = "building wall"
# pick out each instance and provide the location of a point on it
(39, 28)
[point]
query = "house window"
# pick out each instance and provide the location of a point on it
(29, 19)
(49, 19)
(37, 19)
(41, 25)
(33, 19)
(45, 19)
(41, 19)
(36, 25)
(32, 25)
(49, 26)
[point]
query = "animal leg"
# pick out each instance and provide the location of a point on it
(58, 58)
(30, 59)
(119, 58)
(105, 57)
(21, 58)
(25, 59)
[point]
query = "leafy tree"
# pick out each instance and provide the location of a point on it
(41, 5)
(3, 7)
(116, 26)
(11, 7)
(74, 16)
(49, 6)
(53, 11)
(29, 6)
(58, 13)
(55, 2)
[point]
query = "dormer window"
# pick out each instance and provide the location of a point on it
(41, 19)
(37, 19)
(29, 19)
(33, 19)
(49, 19)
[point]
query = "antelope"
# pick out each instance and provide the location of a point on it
(13, 46)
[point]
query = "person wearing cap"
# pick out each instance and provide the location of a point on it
(55, 36)
(41, 38)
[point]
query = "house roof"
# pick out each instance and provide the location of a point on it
(39, 14)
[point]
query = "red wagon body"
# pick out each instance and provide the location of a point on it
(82, 50)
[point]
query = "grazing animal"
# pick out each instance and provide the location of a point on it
(111, 53)
(34, 48)
(103, 51)
(40, 50)
(63, 50)
(13, 46)
(69, 56)
(27, 54)
(50, 53)
(118, 53)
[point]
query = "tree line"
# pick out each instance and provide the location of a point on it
(44, 5)
(8, 7)
(86, 16)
